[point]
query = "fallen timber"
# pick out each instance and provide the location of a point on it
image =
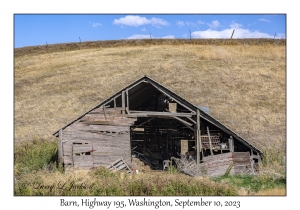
(216, 165)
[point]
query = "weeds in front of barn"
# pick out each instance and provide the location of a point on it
(37, 173)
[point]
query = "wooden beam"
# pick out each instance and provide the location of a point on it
(184, 122)
(127, 100)
(209, 139)
(145, 113)
(104, 112)
(231, 144)
(112, 99)
(145, 138)
(123, 101)
(198, 137)
(136, 126)
(181, 120)
(60, 147)
(168, 140)
(193, 121)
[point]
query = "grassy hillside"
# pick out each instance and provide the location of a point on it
(243, 82)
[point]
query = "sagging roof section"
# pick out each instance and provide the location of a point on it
(144, 89)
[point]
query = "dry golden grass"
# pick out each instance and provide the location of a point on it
(243, 85)
(269, 192)
(272, 192)
(101, 182)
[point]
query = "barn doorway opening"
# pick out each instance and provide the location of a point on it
(154, 140)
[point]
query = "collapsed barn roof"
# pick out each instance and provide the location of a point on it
(140, 92)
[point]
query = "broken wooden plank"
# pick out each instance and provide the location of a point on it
(210, 145)
(118, 165)
(127, 166)
(153, 113)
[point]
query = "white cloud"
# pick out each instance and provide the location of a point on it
(214, 24)
(280, 36)
(226, 34)
(180, 23)
(135, 20)
(200, 22)
(264, 20)
(168, 37)
(96, 24)
(234, 25)
(143, 29)
(190, 24)
(139, 36)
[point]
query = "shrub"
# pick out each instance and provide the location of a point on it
(36, 155)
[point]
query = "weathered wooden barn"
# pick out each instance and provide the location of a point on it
(148, 121)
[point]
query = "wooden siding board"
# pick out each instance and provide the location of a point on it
(218, 164)
(88, 136)
(106, 143)
(68, 159)
(82, 148)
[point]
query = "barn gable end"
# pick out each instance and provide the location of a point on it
(146, 119)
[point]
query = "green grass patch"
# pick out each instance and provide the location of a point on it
(253, 183)
(35, 155)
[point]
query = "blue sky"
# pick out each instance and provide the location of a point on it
(31, 30)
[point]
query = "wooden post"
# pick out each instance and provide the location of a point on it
(232, 33)
(251, 160)
(127, 101)
(104, 112)
(167, 146)
(231, 144)
(123, 102)
(115, 103)
(198, 137)
(210, 146)
(145, 138)
(60, 151)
